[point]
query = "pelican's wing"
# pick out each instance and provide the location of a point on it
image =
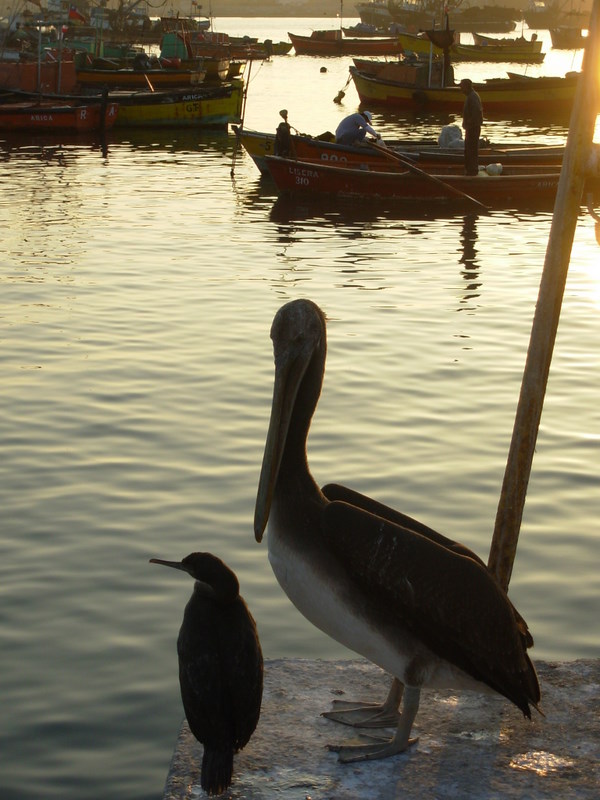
(334, 491)
(451, 602)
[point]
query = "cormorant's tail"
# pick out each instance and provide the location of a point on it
(217, 770)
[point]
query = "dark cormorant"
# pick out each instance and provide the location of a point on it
(220, 666)
(422, 607)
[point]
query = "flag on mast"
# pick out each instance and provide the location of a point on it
(76, 16)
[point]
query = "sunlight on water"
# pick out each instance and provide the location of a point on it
(138, 288)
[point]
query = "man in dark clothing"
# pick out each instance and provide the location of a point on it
(472, 120)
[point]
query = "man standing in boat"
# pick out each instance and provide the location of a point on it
(472, 121)
(353, 129)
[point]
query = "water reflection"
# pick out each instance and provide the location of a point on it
(349, 211)
(61, 149)
(468, 240)
(175, 140)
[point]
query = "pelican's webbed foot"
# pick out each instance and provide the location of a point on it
(377, 747)
(360, 714)
(369, 748)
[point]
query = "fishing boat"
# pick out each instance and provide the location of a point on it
(57, 116)
(47, 75)
(565, 38)
(202, 107)
(546, 14)
(375, 13)
(514, 94)
(334, 43)
(425, 152)
(510, 187)
(533, 45)
(415, 14)
(132, 78)
(418, 43)
(493, 53)
(211, 43)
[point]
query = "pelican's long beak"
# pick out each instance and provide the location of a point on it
(290, 368)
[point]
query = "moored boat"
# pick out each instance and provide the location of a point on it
(418, 43)
(506, 188)
(47, 75)
(202, 107)
(415, 14)
(57, 116)
(565, 38)
(515, 94)
(130, 78)
(333, 43)
(424, 153)
(513, 42)
(493, 53)
(546, 14)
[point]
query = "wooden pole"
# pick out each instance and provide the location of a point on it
(543, 334)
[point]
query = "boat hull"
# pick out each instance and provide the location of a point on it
(425, 153)
(522, 190)
(493, 54)
(52, 117)
(420, 44)
(182, 109)
(567, 38)
(132, 79)
(358, 46)
(27, 76)
(526, 95)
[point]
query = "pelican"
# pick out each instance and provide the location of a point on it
(422, 607)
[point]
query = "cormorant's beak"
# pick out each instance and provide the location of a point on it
(290, 366)
(174, 564)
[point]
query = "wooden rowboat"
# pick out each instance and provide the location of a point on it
(57, 116)
(507, 95)
(425, 153)
(332, 43)
(418, 43)
(567, 38)
(128, 78)
(496, 54)
(202, 107)
(533, 45)
(513, 188)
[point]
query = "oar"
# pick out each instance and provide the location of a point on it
(411, 167)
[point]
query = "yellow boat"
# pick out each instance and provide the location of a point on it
(516, 94)
(496, 53)
(202, 107)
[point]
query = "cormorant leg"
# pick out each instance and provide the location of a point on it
(380, 747)
(369, 715)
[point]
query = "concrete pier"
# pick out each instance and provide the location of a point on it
(470, 746)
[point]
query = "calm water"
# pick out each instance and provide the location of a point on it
(138, 286)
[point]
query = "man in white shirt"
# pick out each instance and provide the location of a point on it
(353, 129)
